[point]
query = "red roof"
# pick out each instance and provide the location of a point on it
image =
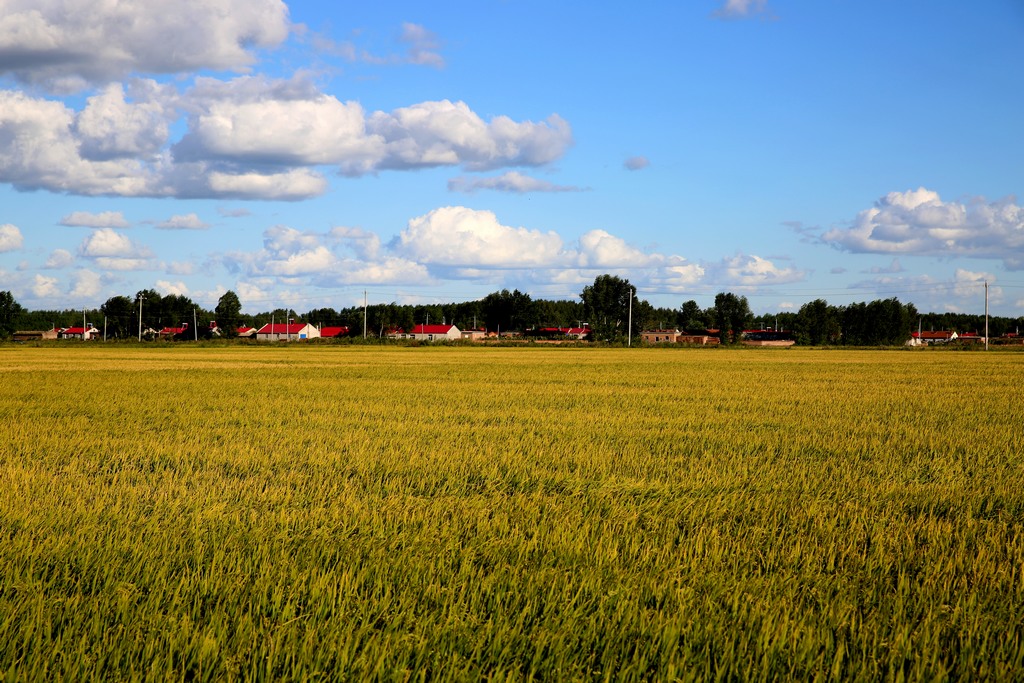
(333, 331)
(174, 330)
(933, 335)
(282, 328)
(431, 329)
(243, 329)
(76, 330)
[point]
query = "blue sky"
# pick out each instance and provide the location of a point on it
(303, 153)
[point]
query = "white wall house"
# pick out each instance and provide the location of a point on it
(287, 332)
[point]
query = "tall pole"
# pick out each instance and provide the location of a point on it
(140, 318)
(83, 324)
(632, 293)
(986, 315)
(195, 329)
(364, 314)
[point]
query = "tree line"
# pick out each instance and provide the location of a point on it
(607, 306)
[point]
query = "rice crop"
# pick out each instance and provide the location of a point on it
(402, 514)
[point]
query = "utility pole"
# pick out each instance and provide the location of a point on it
(364, 314)
(986, 315)
(195, 329)
(140, 318)
(629, 338)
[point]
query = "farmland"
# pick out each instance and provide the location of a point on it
(312, 513)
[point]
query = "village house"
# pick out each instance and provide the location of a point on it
(35, 335)
(431, 333)
(88, 332)
(291, 331)
(171, 332)
(661, 336)
(333, 332)
(932, 337)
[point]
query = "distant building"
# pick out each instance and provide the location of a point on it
(88, 332)
(333, 332)
(435, 333)
(35, 335)
(287, 332)
(661, 336)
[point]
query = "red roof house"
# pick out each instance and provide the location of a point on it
(287, 332)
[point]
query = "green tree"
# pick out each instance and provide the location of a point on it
(732, 313)
(507, 310)
(607, 305)
(691, 318)
(9, 311)
(119, 313)
(817, 323)
(229, 314)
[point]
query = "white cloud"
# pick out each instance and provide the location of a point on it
(512, 181)
(38, 150)
(458, 236)
(261, 121)
(112, 250)
(249, 138)
(389, 270)
(967, 284)
(449, 133)
(85, 284)
(600, 249)
(188, 221)
(10, 237)
(738, 9)
(167, 288)
(62, 43)
(59, 259)
(919, 222)
(110, 127)
(45, 287)
(422, 46)
(744, 270)
(364, 244)
(105, 219)
(181, 268)
(288, 186)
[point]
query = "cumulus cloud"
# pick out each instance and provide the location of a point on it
(39, 150)
(919, 222)
(189, 221)
(85, 284)
(636, 163)
(44, 287)
(743, 270)
(458, 236)
(10, 237)
(167, 288)
(64, 43)
(104, 219)
(59, 259)
(112, 250)
(449, 133)
(110, 127)
(365, 244)
(512, 181)
(249, 138)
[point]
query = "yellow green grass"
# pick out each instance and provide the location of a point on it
(326, 513)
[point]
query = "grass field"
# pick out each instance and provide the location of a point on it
(353, 513)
